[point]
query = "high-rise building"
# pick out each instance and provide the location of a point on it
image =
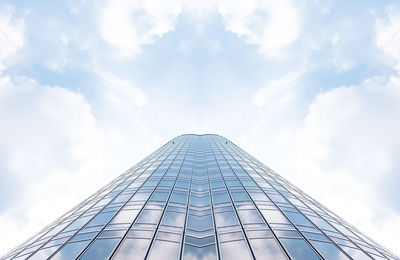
(199, 197)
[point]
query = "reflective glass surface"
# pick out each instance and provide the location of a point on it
(199, 197)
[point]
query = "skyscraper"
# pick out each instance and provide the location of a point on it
(199, 197)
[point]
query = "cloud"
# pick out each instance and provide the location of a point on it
(349, 145)
(271, 25)
(119, 92)
(52, 153)
(278, 93)
(129, 24)
(388, 34)
(11, 34)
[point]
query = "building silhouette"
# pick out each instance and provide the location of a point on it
(199, 197)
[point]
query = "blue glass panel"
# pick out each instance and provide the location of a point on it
(328, 250)
(44, 253)
(240, 196)
(100, 249)
(235, 250)
(178, 197)
(226, 218)
(70, 250)
(298, 219)
(159, 196)
(299, 249)
(173, 218)
(125, 216)
(165, 250)
(266, 249)
(199, 253)
(101, 219)
(250, 216)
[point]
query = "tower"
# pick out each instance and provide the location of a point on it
(199, 197)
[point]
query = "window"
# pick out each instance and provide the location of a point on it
(100, 249)
(200, 253)
(70, 250)
(266, 249)
(249, 216)
(226, 219)
(101, 219)
(298, 219)
(125, 216)
(132, 248)
(235, 250)
(165, 250)
(329, 250)
(273, 216)
(299, 249)
(220, 197)
(173, 218)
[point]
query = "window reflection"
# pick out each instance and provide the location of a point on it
(267, 249)
(125, 216)
(165, 250)
(226, 219)
(199, 253)
(273, 216)
(328, 250)
(132, 249)
(299, 249)
(70, 250)
(234, 250)
(297, 218)
(100, 249)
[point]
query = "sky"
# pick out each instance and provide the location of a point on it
(89, 88)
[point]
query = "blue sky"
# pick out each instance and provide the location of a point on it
(88, 88)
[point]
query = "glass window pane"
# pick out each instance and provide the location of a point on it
(235, 250)
(173, 218)
(355, 253)
(266, 249)
(199, 253)
(149, 216)
(70, 250)
(160, 196)
(226, 219)
(178, 197)
(132, 249)
(298, 219)
(299, 249)
(101, 219)
(220, 198)
(125, 216)
(100, 249)
(274, 216)
(328, 250)
(44, 253)
(240, 196)
(250, 216)
(165, 250)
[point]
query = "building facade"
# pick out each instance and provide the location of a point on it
(199, 197)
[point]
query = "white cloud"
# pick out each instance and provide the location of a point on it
(55, 151)
(51, 151)
(119, 92)
(388, 34)
(130, 24)
(270, 24)
(349, 145)
(278, 93)
(345, 148)
(11, 34)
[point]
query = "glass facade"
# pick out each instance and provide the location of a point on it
(199, 197)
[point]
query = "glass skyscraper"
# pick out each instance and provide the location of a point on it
(199, 197)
